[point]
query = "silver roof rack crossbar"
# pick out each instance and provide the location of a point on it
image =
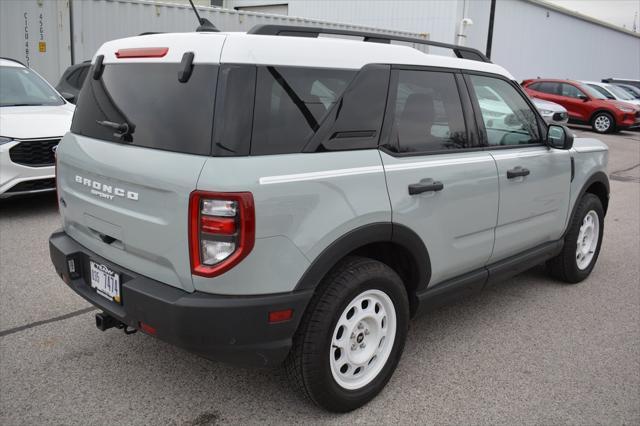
(298, 31)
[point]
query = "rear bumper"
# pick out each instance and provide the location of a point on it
(226, 328)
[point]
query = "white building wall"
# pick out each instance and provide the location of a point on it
(530, 39)
(536, 41)
(433, 17)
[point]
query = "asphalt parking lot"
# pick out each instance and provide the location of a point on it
(528, 351)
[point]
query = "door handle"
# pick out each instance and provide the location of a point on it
(425, 185)
(517, 172)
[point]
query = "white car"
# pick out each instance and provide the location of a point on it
(33, 119)
(552, 112)
(496, 109)
(613, 92)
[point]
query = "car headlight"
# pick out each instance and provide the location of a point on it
(4, 140)
(624, 109)
(546, 112)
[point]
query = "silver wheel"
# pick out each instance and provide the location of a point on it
(602, 123)
(362, 339)
(587, 240)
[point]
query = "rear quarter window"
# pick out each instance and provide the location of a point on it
(291, 104)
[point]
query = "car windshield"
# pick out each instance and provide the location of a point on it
(21, 87)
(592, 92)
(619, 93)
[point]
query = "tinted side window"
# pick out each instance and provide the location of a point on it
(547, 87)
(427, 112)
(234, 110)
(72, 78)
(571, 91)
(535, 86)
(507, 117)
(290, 105)
(602, 90)
(82, 75)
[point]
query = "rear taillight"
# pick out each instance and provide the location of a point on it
(221, 230)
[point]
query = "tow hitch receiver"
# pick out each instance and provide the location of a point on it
(105, 322)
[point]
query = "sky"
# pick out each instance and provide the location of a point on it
(616, 12)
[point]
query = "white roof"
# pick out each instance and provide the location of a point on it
(242, 48)
(8, 63)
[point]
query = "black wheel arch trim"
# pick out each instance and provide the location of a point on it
(597, 177)
(382, 232)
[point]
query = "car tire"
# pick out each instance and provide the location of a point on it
(581, 242)
(603, 122)
(351, 337)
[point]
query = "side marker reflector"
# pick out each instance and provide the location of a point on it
(280, 316)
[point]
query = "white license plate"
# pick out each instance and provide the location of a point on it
(105, 281)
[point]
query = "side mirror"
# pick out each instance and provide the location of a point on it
(559, 137)
(68, 97)
(583, 97)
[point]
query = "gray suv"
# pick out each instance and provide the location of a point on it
(275, 197)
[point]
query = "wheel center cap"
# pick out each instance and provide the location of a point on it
(360, 338)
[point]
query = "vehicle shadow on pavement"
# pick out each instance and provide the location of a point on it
(28, 206)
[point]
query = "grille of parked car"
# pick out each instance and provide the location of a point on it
(34, 185)
(35, 152)
(559, 116)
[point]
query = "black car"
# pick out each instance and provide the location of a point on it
(72, 79)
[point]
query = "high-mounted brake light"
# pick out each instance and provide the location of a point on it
(221, 230)
(142, 52)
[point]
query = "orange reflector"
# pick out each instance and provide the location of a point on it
(280, 316)
(147, 328)
(142, 52)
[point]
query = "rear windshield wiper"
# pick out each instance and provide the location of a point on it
(122, 130)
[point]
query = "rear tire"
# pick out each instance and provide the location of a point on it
(581, 243)
(351, 337)
(603, 122)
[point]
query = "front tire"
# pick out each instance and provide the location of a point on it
(352, 335)
(581, 243)
(603, 122)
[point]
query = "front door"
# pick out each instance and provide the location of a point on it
(534, 179)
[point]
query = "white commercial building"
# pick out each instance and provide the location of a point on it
(529, 37)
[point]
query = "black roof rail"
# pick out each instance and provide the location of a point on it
(298, 31)
(14, 60)
(150, 33)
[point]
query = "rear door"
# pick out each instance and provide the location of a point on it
(575, 101)
(138, 142)
(534, 180)
(441, 184)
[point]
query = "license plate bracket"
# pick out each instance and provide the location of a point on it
(105, 281)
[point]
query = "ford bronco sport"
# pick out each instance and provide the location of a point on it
(275, 197)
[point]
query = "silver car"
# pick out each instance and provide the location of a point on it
(552, 112)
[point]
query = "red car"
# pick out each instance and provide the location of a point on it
(585, 105)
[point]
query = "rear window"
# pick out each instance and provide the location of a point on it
(163, 112)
